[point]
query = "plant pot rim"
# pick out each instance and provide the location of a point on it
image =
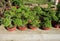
(46, 28)
(22, 28)
(11, 29)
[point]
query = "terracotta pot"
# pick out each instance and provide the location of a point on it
(33, 27)
(57, 26)
(54, 23)
(46, 28)
(11, 29)
(22, 28)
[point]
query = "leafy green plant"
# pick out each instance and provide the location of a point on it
(18, 22)
(16, 2)
(13, 8)
(9, 13)
(58, 13)
(18, 10)
(38, 10)
(6, 14)
(6, 22)
(53, 15)
(24, 22)
(35, 23)
(47, 22)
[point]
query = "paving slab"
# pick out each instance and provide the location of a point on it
(30, 35)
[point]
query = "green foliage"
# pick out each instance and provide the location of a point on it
(18, 10)
(35, 23)
(13, 8)
(21, 15)
(31, 18)
(17, 2)
(9, 13)
(24, 22)
(53, 15)
(6, 22)
(6, 14)
(18, 22)
(47, 23)
(58, 11)
(38, 10)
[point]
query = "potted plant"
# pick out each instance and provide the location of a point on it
(20, 24)
(7, 24)
(58, 16)
(46, 24)
(35, 24)
(58, 24)
(54, 18)
(24, 25)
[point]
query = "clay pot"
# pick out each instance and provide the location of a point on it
(11, 29)
(46, 28)
(22, 28)
(57, 26)
(54, 23)
(32, 27)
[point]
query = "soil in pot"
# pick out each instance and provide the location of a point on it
(22, 28)
(11, 28)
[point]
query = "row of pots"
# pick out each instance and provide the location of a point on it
(23, 28)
